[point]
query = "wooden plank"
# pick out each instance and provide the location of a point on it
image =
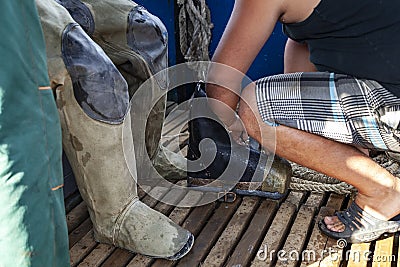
(335, 252)
(82, 248)
(276, 234)
(209, 234)
(220, 252)
(383, 253)
(174, 126)
(318, 240)
(76, 216)
(79, 232)
(357, 256)
(251, 240)
(296, 239)
(98, 255)
(194, 223)
(120, 257)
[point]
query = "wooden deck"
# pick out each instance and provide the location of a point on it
(248, 232)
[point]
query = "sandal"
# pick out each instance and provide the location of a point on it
(360, 227)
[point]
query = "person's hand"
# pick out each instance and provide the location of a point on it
(238, 132)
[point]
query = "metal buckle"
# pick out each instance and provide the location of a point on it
(226, 196)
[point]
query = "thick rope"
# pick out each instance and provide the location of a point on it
(195, 33)
(305, 179)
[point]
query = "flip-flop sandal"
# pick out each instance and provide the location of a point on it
(360, 227)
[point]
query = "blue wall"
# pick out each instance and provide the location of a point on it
(268, 62)
(270, 59)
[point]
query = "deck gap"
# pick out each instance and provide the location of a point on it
(311, 226)
(395, 251)
(249, 220)
(282, 241)
(371, 256)
(222, 229)
(264, 232)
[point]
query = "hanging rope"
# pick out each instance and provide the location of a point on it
(194, 32)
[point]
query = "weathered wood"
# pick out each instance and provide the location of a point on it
(76, 216)
(383, 253)
(97, 256)
(334, 257)
(174, 122)
(215, 225)
(317, 241)
(79, 232)
(296, 239)
(119, 258)
(227, 240)
(82, 248)
(357, 256)
(249, 244)
(279, 229)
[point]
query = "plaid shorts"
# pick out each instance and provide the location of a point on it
(338, 107)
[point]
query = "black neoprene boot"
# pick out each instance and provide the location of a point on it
(217, 163)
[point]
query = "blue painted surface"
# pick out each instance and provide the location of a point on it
(270, 59)
(268, 62)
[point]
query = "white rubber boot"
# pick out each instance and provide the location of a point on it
(93, 103)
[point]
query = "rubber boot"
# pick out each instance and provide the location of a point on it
(136, 42)
(93, 104)
(241, 168)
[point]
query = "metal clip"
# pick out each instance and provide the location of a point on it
(226, 196)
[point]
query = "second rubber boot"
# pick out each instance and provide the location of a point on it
(244, 169)
(93, 103)
(136, 41)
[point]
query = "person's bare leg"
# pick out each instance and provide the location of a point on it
(378, 190)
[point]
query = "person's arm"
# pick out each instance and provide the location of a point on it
(297, 58)
(250, 25)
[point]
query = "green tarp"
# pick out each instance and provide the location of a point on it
(32, 218)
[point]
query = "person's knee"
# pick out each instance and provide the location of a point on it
(248, 111)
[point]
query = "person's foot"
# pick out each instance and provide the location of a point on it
(384, 205)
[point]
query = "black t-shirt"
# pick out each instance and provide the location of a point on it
(355, 37)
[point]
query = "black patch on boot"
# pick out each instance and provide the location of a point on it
(148, 37)
(99, 88)
(80, 13)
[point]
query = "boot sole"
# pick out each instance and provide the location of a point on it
(240, 188)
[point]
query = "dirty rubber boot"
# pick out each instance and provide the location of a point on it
(248, 171)
(93, 104)
(136, 42)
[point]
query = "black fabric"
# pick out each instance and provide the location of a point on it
(80, 13)
(359, 38)
(99, 88)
